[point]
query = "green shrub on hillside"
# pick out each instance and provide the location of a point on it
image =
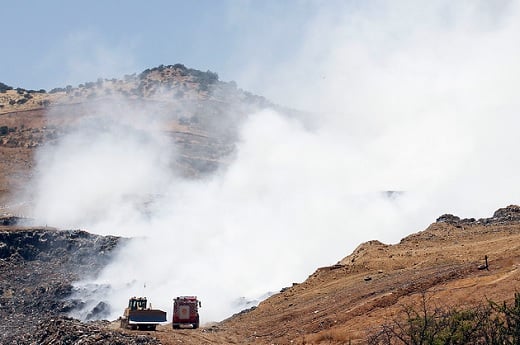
(491, 324)
(4, 87)
(58, 89)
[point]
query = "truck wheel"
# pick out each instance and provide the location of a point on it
(196, 325)
(176, 326)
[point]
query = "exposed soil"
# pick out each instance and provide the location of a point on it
(350, 300)
(342, 303)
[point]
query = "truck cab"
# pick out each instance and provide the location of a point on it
(137, 303)
(186, 312)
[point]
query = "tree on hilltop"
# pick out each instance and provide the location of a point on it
(4, 87)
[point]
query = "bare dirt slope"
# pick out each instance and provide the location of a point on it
(340, 304)
(350, 300)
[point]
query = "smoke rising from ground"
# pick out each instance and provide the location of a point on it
(415, 100)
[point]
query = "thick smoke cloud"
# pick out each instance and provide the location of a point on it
(419, 100)
(108, 165)
(425, 92)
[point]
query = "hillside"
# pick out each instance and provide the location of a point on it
(343, 303)
(200, 113)
(372, 286)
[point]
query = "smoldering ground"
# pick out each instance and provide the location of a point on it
(427, 107)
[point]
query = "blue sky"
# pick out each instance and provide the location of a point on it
(53, 43)
(290, 51)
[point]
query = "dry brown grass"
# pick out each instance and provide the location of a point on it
(36, 102)
(331, 336)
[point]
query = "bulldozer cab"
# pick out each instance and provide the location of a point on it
(137, 303)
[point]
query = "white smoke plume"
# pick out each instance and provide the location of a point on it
(420, 100)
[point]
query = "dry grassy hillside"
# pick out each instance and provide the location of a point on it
(200, 113)
(341, 304)
(346, 302)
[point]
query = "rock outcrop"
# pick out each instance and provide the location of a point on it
(504, 215)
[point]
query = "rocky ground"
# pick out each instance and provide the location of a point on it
(64, 330)
(37, 269)
(340, 304)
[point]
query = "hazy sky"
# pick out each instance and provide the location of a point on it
(52, 43)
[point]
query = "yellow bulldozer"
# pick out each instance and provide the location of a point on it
(139, 316)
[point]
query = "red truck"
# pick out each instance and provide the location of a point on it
(186, 312)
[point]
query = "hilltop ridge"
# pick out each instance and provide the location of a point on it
(200, 113)
(163, 83)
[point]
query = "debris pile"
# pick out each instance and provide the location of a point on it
(37, 269)
(64, 330)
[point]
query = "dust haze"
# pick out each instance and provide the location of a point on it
(414, 99)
